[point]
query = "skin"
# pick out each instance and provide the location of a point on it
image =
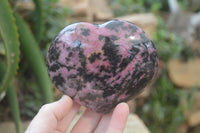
(57, 116)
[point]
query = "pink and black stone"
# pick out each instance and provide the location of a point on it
(99, 66)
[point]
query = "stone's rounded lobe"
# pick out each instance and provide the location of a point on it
(100, 66)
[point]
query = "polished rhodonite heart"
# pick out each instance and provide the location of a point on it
(99, 66)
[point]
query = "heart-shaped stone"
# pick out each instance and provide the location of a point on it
(99, 66)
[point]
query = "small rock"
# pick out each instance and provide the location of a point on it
(24, 5)
(194, 119)
(135, 125)
(89, 9)
(185, 74)
(147, 21)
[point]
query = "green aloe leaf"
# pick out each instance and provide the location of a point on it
(33, 56)
(12, 100)
(39, 23)
(2, 70)
(14, 106)
(9, 35)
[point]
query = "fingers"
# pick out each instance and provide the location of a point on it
(58, 109)
(103, 124)
(87, 123)
(57, 116)
(64, 124)
(119, 118)
(48, 116)
(115, 121)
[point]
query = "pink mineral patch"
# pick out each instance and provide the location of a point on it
(100, 66)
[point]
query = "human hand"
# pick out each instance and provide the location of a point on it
(57, 116)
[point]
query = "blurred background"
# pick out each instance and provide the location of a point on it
(170, 104)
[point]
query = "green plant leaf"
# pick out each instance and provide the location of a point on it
(33, 56)
(2, 49)
(9, 35)
(2, 70)
(2, 74)
(39, 23)
(12, 100)
(13, 103)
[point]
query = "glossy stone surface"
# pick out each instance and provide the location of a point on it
(100, 66)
